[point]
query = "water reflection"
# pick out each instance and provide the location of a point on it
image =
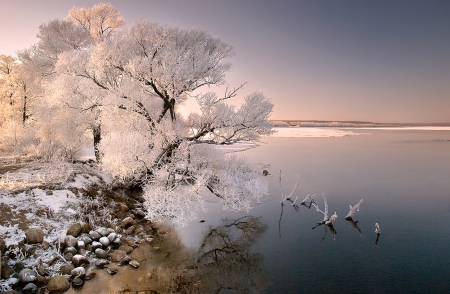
(354, 224)
(222, 263)
(327, 228)
(225, 262)
(378, 237)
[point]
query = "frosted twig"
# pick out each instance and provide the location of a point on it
(377, 229)
(353, 210)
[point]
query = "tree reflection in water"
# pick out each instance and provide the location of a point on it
(223, 262)
(354, 224)
(224, 259)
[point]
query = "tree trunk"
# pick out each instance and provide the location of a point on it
(24, 110)
(97, 138)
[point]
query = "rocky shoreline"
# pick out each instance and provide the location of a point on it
(61, 226)
(37, 266)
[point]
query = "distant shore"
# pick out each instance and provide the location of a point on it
(348, 124)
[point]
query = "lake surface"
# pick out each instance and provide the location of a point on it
(403, 175)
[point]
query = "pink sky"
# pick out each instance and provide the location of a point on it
(380, 61)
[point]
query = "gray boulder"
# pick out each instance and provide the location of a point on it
(30, 288)
(100, 253)
(102, 231)
(70, 241)
(104, 241)
(27, 276)
(94, 235)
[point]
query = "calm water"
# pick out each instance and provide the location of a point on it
(403, 177)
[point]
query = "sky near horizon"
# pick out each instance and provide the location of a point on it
(348, 60)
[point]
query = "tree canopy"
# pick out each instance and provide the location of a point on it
(123, 84)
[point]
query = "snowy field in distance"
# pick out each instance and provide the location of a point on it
(324, 132)
(308, 132)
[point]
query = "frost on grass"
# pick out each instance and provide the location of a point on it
(45, 196)
(50, 197)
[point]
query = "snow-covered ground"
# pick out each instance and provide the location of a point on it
(41, 196)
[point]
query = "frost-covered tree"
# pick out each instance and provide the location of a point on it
(82, 28)
(125, 84)
(100, 20)
(17, 99)
(16, 95)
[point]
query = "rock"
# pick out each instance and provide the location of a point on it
(41, 280)
(79, 260)
(58, 283)
(101, 263)
(104, 241)
(116, 242)
(70, 241)
(77, 282)
(112, 270)
(94, 235)
(128, 221)
(85, 227)
(120, 214)
(30, 288)
(149, 225)
(110, 230)
(19, 266)
(117, 255)
(51, 259)
(101, 253)
(140, 213)
(68, 256)
(27, 276)
(123, 207)
(41, 267)
(2, 247)
(102, 231)
(149, 239)
(31, 251)
(81, 245)
(90, 275)
(45, 245)
(70, 249)
(265, 172)
(85, 239)
(6, 271)
(134, 263)
(33, 236)
(129, 230)
(89, 248)
(138, 230)
(66, 268)
(131, 241)
(112, 236)
(125, 260)
(78, 272)
(96, 245)
(74, 230)
(126, 248)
